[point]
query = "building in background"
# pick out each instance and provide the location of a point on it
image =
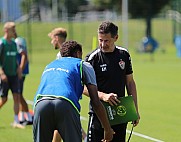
(10, 10)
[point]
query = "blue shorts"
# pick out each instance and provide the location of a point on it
(12, 84)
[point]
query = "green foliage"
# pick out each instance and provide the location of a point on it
(142, 8)
(25, 6)
(108, 4)
(146, 9)
(72, 6)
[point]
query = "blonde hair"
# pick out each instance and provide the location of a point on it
(58, 32)
(9, 25)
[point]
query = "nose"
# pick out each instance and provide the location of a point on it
(103, 43)
(52, 41)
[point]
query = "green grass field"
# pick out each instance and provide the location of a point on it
(158, 81)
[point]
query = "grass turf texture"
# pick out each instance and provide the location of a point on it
(158, 81)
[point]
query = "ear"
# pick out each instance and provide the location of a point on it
(116, 38)
(79, 54)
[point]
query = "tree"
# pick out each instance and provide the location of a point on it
(107, 4)
(137, 8)
(71, 6)
(146, 9)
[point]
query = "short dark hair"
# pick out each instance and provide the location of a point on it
(108, 27)
(70, 48)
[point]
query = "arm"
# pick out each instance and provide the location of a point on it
(3, 75)
(100, 112)
(21, 48)
(111, 98)
(131, 90)
(23, 60)
(85, 91)
(22, 64)
(90, 81)
(19, 70)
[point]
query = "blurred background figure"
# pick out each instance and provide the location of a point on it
(58, 37)
(9, 70)
(24, 115)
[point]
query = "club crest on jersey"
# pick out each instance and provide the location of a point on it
(103, 67)
(122, 64)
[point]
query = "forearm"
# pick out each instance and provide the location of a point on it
(131, 90)
(23, 61)
(101, 114)
(86, 93)
(1, 71)
(3, 76)
(111, 98)
(98, 107)
(101, 95)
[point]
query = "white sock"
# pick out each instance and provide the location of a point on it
(21, 116)
(16, 118)
(29, 117)
(85, 139)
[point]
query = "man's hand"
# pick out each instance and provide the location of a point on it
(3, 77)
(111, 98)
(108, 135)
(135, 123)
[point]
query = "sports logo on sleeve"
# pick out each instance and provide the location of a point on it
(122, 64)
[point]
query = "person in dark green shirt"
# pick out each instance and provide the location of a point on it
(9, 70)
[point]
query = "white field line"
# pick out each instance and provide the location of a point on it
(144, 136)
(128, 131)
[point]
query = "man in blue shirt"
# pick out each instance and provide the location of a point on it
(56, 103)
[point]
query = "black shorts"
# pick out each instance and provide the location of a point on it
(96, 132)
(21, 84)
(12, 84)
(56, 114)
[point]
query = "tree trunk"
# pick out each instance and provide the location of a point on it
(149, 18)
(148, 26)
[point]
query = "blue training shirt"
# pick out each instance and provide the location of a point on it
(62, 78)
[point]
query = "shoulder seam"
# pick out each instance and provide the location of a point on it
(121, 48)
(93, 53)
